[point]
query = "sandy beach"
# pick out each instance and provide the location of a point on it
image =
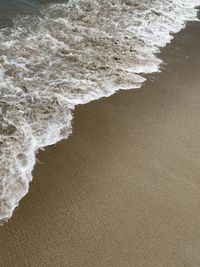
(123, 190)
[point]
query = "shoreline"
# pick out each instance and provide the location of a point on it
(123, 189)
(74, 78)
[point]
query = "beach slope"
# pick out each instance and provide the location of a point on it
(123, 190)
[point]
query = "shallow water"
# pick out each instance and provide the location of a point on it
(9, 9)
(62, 55)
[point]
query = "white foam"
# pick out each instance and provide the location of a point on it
(72, 54)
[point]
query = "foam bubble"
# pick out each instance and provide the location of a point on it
(71, 54)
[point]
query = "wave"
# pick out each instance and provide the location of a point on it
(71, 54)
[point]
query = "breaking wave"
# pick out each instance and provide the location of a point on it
(70, 54)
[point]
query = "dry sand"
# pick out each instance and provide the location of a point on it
(124, 190)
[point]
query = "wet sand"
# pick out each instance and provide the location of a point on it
(124, 189)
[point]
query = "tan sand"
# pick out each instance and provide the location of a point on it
(124, 190)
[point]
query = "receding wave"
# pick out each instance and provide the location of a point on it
(71, 54)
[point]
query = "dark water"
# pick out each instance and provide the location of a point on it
(9, 9)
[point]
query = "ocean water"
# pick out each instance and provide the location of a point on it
(54, 56)
(9, 9)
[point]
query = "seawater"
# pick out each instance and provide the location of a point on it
(54, 56)
(9, 9)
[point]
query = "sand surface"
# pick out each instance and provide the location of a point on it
(124, 189)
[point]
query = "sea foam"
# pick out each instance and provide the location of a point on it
(70, 54)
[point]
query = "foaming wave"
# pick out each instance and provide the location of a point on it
(71, 54)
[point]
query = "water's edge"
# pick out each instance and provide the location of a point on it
(65, 59)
